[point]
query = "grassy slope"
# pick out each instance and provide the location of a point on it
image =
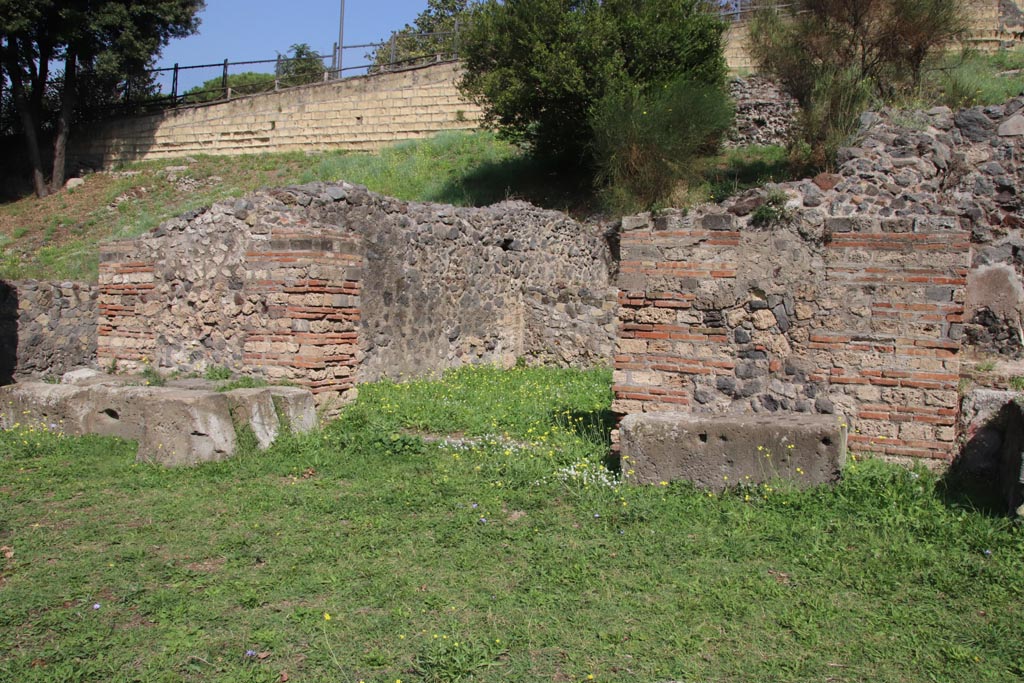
(57, 237)
(509, 558)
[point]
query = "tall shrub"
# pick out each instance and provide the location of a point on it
(644, 140)
(551, 73)
(834, 56)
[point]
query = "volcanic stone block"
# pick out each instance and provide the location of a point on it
(38, 404)
(297, 406)
(173, 426)
(255, 408)
(718, 451)
(188, 429)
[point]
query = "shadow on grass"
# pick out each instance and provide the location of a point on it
(738, 170)
(595, 426)
(540, 182)
(960, 489)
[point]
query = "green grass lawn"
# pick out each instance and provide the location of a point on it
(508, 553)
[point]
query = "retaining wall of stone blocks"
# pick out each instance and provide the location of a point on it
(361, 113)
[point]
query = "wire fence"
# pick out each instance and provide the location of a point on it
(234, 79)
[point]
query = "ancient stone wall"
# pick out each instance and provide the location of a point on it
(765, 114)
(327, 285)
(362, 113)
(447, 286)
(845, 294)
(46, 328)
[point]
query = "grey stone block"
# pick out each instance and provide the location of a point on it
(54, 406)
(718, 451)
(297, 406)
(254, 408)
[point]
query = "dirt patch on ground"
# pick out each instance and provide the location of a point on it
(207, 566)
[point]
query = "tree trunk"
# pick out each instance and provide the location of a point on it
(24, 107)
(38, 77)
(68, 99)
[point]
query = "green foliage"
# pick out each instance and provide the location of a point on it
(970, 78)
(245, 83)
(103, 47)
(301, 66)
(540, 67)
(245, 382)
(454, 658)
(645, 140)
(431, 37)
(772, 212)
(152, 377)
(218, 372)
(834, 56)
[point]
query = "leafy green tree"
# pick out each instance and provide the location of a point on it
(94, 42)
(303, 65)
(552, 74)
(432, 34)
(244, 83)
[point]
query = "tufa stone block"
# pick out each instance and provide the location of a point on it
(255, 408)
(717, 451)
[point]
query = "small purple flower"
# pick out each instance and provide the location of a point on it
(474, 505)
(596, 515)
(483, 520)
(988, 553)
(250, 653)
(96, 605)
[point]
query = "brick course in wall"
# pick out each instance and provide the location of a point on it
(844, 294)
(329, 285)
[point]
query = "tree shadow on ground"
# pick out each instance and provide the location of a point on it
(540, 182)
(595, 426)
(733, 173)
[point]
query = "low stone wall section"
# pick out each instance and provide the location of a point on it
(327, 285)
(843, 294)
(765, 114)
(46, 328)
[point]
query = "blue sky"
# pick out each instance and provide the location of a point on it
(243, 30)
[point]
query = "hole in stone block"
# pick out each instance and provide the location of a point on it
(722, 438)
(703, 437)
(112, 414)
(826, 441)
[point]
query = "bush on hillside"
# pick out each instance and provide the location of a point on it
(644, 139)
(301, 67)
(548, 73)
(835, 56)
(245, 83)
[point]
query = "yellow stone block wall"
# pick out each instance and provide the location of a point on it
(362, 113)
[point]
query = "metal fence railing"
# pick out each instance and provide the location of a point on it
(401, 51)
